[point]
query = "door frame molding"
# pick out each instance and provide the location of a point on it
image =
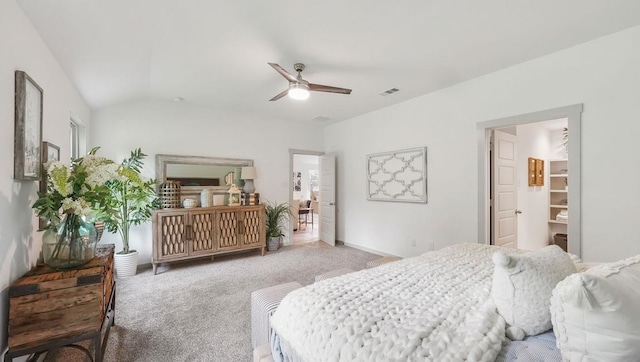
(292, 152)
(573, 113)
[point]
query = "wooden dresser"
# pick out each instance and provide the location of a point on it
(182, 234)
(51, 308)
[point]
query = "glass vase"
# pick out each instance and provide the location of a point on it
(71, 244)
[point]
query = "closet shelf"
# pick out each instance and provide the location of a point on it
(557, 222)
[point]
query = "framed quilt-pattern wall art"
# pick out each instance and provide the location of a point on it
(398, 176)
(28, 128)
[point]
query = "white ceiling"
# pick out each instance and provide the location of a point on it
(215, 53)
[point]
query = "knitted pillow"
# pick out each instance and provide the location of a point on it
(596, 314)
(522, 286)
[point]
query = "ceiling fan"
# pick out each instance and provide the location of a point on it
(299, 88)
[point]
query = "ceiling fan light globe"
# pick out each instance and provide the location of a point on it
(298, 92)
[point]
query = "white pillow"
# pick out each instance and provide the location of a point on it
(522, 286)
(596, 314)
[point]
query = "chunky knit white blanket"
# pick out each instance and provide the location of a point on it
(434, 307)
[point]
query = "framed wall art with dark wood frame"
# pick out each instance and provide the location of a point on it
(50, 152)
(28, 128)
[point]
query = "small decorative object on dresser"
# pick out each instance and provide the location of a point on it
(250, 199)
(170, 194)
(234, 195)
(206, 198)
(181, 234)
(248, 174)
(189, 203)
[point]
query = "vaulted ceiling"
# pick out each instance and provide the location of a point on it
(215, 53)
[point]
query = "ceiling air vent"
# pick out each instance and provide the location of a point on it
(389, 91)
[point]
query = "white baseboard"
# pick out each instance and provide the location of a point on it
(368, 250)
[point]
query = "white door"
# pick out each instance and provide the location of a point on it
(328, 199)
(504, 204)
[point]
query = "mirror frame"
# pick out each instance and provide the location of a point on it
(163, 160)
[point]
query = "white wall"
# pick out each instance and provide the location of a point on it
(22, 49)
(533, 227)
(602, 74)
(181, 129)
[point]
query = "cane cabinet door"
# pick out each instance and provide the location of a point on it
(171, 240)
(252, 225)
(200, 232)
(227, 227)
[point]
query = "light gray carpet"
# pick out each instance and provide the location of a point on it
(201, 310)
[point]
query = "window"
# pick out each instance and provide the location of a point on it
(74, 137)
(314, 180)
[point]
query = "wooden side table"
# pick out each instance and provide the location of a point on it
(49, 308)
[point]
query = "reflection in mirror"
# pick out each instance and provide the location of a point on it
(229, 178)
(203, 175)
(196, 173)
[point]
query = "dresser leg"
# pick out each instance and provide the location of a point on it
(155, 268)
(212, 257)
(263, 250)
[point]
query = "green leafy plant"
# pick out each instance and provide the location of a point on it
(276, 216)
(131, 200)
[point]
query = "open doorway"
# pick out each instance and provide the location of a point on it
(305, 198)
(533, 214)
(528, 194)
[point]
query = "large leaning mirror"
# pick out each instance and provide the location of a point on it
(196, 173)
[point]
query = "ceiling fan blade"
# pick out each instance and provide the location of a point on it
(326, 88)
(282, 94)
(284, 73)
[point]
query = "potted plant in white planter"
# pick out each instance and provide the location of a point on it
(276, 215)
(131, 202)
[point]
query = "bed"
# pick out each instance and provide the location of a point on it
(440, 306)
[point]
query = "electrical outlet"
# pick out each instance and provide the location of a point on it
(413, 242)
(431, 247)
